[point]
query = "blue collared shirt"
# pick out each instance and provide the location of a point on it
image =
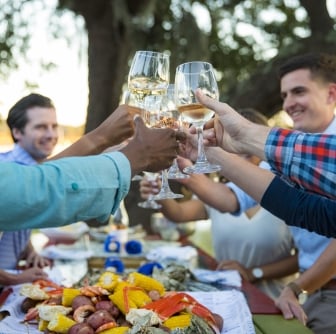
(63, 191)
(18, 155)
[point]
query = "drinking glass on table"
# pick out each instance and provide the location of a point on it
(189, 77)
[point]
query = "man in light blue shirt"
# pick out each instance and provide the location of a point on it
(64, 191)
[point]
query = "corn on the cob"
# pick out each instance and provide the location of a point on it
(138, 296)
(116, 330)
(68, 295)
(108, 280)
(121, 301)
(145, 282)
(42, 325)
(121, 285)
(60, 323)
(178, 321)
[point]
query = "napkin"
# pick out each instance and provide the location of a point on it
(225, 277)
(186, 255)
(55, 252)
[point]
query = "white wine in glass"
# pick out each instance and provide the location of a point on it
(190, 77)
(165, 116)
(148, 75)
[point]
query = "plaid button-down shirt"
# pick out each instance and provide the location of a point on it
(307, 159)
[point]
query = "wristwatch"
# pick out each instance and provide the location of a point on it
(300, 293)
(257, 273)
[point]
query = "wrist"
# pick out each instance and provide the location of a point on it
(299, 292)
(256, 274)
(254, 140)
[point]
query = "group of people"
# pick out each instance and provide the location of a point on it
(249, 238)
(297, 186)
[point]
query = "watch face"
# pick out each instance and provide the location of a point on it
(302, 297)
(257, 272)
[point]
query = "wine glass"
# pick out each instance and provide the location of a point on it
(150, 115)
(174, 170)
(150, 202)
(148, 75)
(189, 77)
(163, 114)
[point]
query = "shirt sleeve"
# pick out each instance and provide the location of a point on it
(300, 208)
(307, 159)
(62, 191)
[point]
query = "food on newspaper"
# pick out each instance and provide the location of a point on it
(130, 304)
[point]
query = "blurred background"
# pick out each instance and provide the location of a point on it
(78, 52)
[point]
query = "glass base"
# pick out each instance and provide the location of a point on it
(202, 168)
(167, 195)
(173, 175)
(137, 178)
(149, 204)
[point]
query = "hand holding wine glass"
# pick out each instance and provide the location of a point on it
(160, 113)
(189, 77)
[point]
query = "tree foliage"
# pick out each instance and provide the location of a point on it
(245, 41)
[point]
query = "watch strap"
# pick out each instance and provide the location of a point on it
(295, 288)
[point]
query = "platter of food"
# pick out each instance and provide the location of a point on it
(136, 303)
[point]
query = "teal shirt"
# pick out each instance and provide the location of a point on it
(63, 191)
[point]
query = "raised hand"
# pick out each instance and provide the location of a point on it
(148, 187)
(233, 132)
(152, 149)
(119, 126)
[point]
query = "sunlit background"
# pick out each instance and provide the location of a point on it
(66, 82)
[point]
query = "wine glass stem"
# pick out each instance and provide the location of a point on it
(164, 182)
(201, 157)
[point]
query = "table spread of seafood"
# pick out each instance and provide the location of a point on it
(105, 302)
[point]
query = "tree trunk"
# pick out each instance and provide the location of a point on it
(108, 50)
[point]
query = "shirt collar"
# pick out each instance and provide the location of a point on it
(22, 156)
(331, 129)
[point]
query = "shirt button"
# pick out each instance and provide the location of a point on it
(74, 186)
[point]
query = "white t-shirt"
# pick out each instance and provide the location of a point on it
(253, 242)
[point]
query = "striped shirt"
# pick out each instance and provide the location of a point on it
(13, 243)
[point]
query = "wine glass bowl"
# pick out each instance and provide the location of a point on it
(149, 74)
(190, 77)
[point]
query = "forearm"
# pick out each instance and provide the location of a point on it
(252, 179)
(282, 268)
(214, 194)
(90, 144)
(7, 278)
(323, 270)
(184, 211)
(312, 212)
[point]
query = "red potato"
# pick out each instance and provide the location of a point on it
(81, 328)
(81, 301)
(108, 306)
(99, 318)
